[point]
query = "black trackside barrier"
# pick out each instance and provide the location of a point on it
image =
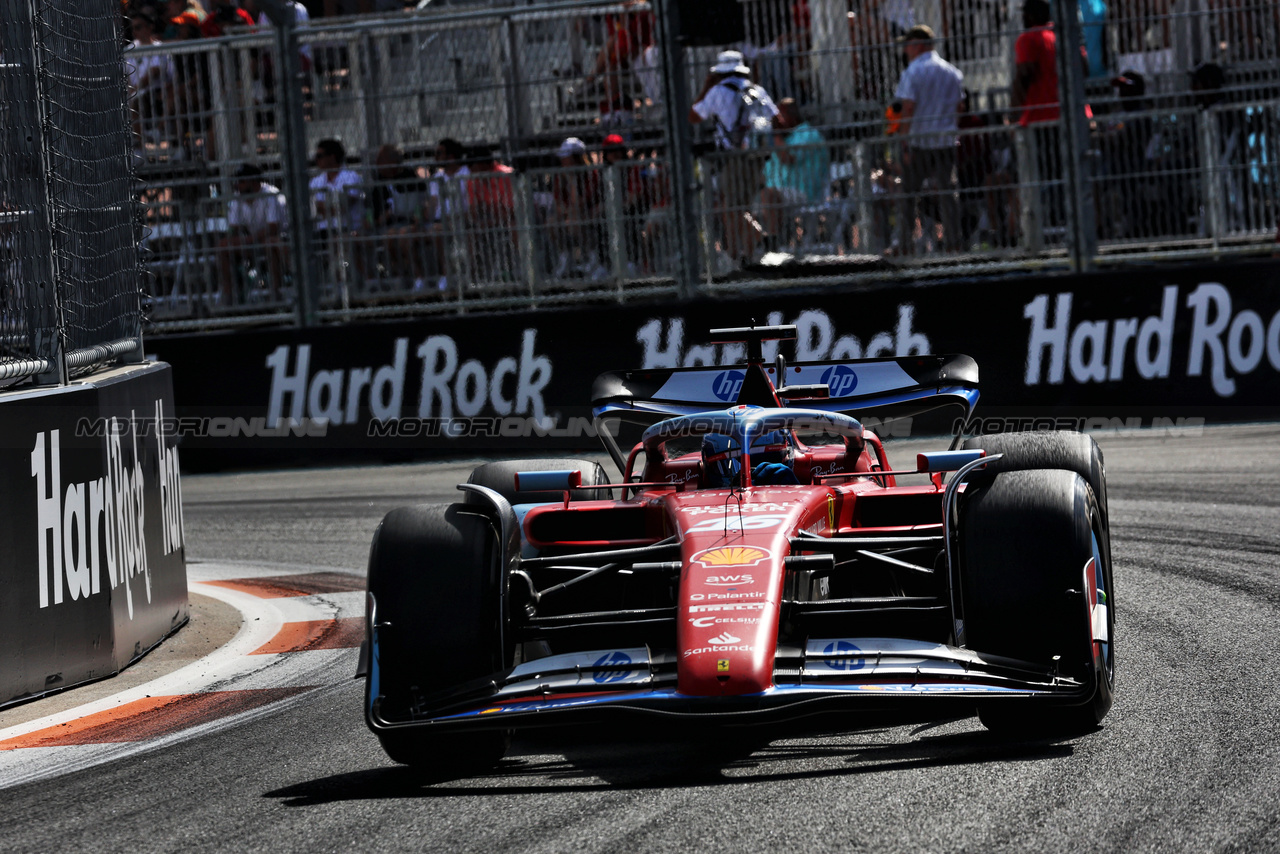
(94, 570)
(1161, 347)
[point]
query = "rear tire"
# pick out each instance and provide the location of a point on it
(1025, 541)
(435, 575)
(501, 478)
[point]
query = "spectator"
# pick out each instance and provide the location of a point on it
(337, 202)
(929, 90)
(150, 78)
(398, 202)
(191, 96)
(180, 13)
(256, 219)
(740, 110)
(577, 213)
(491, 216)
(1035, 81)
(627, 35)
(1035, 90)
(798, 171)
(632, 179)
(973, 163)
(448, 184)
(224, 14)
(1123, 199)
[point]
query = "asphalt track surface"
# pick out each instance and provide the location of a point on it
(1187, 760)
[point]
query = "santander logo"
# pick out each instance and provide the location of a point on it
(724, 638)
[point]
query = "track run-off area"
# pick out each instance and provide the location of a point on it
(244, 730)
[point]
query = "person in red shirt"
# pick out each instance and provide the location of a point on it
(1035, 82)
(225, 13)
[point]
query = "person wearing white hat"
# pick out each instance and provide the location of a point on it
(577, 218)
(739, 109)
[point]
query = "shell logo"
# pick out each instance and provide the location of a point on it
(731, 556)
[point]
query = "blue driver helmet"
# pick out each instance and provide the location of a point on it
(771, 458)
(720, 465)
(772, 447)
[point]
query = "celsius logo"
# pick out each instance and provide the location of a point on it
(727, 385)
(843, 656)
(724, 638)
(840, 380)
(608, 668)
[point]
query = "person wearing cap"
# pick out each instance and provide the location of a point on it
(256, 220)
(633, 178)
(930, 90)
(578, 214)
(723, 100)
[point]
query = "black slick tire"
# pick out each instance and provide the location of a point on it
(435, 576)
(1026, 540)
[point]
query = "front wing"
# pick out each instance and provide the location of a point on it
(833, 674)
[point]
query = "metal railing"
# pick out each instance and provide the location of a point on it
(1184, 167)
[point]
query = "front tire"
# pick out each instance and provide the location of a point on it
(435, 574)
(1027, 540)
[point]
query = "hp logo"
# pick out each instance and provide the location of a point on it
(840, 380)
(610, 659)
(845, 656)
(728, 384)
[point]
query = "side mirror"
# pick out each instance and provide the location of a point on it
(939, 461)
(548, 481)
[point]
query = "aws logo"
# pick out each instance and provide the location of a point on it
(728, 580)
(840, 380)
(727, 556)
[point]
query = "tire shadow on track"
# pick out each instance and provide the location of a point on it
(543, 763)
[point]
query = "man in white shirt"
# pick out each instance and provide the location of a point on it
(256, 220)
(741, 111)
(337, 200)
(930, 90)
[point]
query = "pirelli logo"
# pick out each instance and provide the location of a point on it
(735, 606)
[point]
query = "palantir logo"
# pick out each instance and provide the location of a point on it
(728, 385)
(840, 380)
(608, 668)
(843, 656)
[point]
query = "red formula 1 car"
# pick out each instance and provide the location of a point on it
(759, 559)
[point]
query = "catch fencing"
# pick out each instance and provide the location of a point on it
(70, 276)
(1177, 158)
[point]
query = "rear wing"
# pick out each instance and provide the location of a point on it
(895, 387)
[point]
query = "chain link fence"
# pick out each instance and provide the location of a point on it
(500, 156)
(70, 295)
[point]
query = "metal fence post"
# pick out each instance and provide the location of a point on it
(868, 234)
(613, 184)
(1210, 179)
(1082, 228)
(302, 243)
(675, 93)
(1031, 218)
(525, 237)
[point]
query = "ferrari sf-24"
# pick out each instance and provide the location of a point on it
(758, 559)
